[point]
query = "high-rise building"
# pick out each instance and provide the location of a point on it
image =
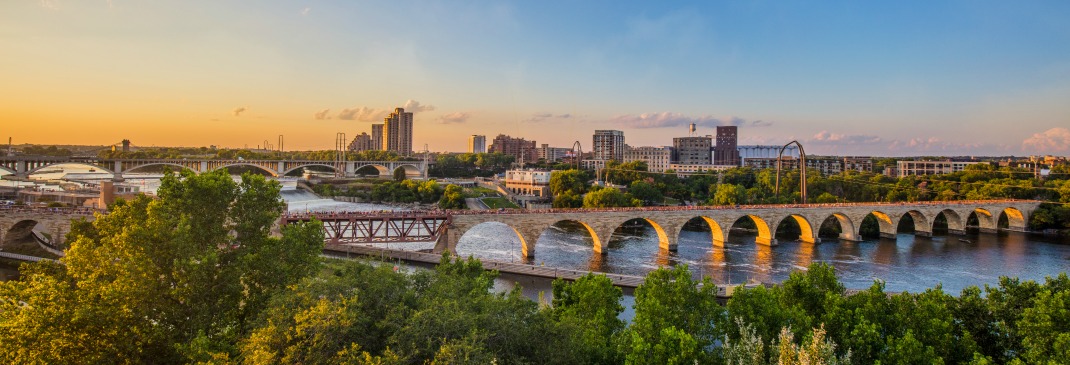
(397, 132)
(725, 153)
(519, 148)
(692, 150)
(362, 142)
(477, 144)
(608, 145)
(377, 137)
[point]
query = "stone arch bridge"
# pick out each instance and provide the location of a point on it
(668, 221)
(47, 226)
(23, 166)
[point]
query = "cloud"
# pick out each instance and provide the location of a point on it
(452, 118)
(237, 111)
(363, 114)
(538, 117)
(1055, 140)
(826, 138)
(49, 4)
(669, 119)
(305, 11)
(322, 114)
(414, 106)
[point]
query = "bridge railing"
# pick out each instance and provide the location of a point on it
(50, 211)
(730, 207)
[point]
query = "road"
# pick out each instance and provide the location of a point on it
(475, 204)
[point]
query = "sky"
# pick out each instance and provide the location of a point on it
(894, 78)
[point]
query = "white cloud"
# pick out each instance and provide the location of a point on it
(237, 111)
(414, 106)
(452, 118)
(363, 114)
(322, 114)
(670, 119)
(1055, 140)
(824, 137)
(305, 11)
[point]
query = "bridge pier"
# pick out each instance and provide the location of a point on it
(922, 233)
(765, 241)
(988, 230)
(850, 237)
(888, 235)
(957, 232)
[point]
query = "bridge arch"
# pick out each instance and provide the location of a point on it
(765, 235)
(179, 166)
(295, 168)
(955, 223)
(45, 166)
(665, 242)
(410, 170)
(922, 224)
(599, 243)
(8, 171)
(266, 169)
(848, 230)
(717, 235)
(806, 230)
(985, 222)
(886, 228)
(1015, 218)
(527, 241)
(383, 171)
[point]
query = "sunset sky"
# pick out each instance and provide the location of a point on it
(849, 78)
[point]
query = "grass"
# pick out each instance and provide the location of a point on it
(495, 203)
(476, 192)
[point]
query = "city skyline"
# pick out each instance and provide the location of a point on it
(902, 79)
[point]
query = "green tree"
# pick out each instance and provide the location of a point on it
(608, 198)
(588, 310)
(399, 174)
(728, 194)
(152, 277)
(572, 181)
(674, 319)
(645, 192)
(452, 198)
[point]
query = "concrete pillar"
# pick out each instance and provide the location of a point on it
(528, 238)
(765, 241)
(281, 167)
(204, 167)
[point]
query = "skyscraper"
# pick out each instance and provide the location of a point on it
(519, 148)
(725, 153)
(477, 144)
(397, 132)
(377, 137)
(608, 145)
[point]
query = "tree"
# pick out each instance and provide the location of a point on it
(608, 198)
(674, 319)
(645, 192)
(572, 181)
(587, 309)
(399, 174)
(172, 280)
(452, 198)
(728, 194)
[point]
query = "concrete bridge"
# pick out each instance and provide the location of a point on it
(47, 227)
(668, 221)
(22, 166)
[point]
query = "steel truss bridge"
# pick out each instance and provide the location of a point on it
(341, 228)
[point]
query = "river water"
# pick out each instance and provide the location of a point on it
(906, 263)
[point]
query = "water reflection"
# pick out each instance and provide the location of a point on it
(907, 263)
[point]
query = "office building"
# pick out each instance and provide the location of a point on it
(477, 144)
(397, 132)
(521, 149)
(552, 154)
(725, 153)
(692, 150)
(608, 145)
(910, 168)
(764, 151)
(657, 159)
